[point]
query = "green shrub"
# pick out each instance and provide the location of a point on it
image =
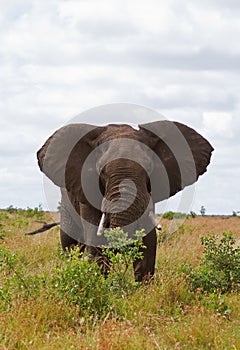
(121, 252)
(20, 221)
(15, 282)
(79, 280)
(217, 303)
(3, 215)
(219, 270)
(170, 215)
(37, 212)
(11, 209)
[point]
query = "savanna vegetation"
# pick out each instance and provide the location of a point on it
(49, 300)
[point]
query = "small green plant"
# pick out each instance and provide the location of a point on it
(8, 260)
(219, 270)
(217, 303)
(162, 235)
(4, 215)
(37, 212)
(121, 252)
(20, 221)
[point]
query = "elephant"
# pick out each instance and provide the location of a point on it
(113, 175)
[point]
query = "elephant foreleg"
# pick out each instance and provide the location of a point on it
(95, 254)
(68, 242)
(71, 229)
(144, 268)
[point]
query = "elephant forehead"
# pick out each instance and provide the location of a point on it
(114, 131)
(123, 148)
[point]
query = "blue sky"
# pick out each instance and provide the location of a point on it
(60, 58)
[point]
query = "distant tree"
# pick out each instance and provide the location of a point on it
(203, 210)
(11, 209)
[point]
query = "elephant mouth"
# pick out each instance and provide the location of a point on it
(105, 222)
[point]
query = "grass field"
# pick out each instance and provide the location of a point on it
(165, 314)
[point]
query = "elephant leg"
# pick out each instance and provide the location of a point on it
(71, 229)
(144, 268)
(68, 242)
(95, 254)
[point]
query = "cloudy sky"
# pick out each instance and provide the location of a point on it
(59, 58)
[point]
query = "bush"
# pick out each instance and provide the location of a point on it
(14, 280)
(121, 252)
(37, 212)
(170, 215)
(219, 270)
(79, 280)
(11, 209)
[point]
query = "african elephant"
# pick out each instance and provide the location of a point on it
(112, 176)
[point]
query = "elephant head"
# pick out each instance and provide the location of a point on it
(117, 173)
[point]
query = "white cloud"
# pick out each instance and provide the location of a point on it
(218, 123)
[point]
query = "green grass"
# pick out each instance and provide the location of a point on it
(38, 313)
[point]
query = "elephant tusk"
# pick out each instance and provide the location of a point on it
(155, 221)
(100, 227)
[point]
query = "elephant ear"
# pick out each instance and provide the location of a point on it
(181, 156)
(63, 155)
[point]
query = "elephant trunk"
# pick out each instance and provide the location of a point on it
(124, 203)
